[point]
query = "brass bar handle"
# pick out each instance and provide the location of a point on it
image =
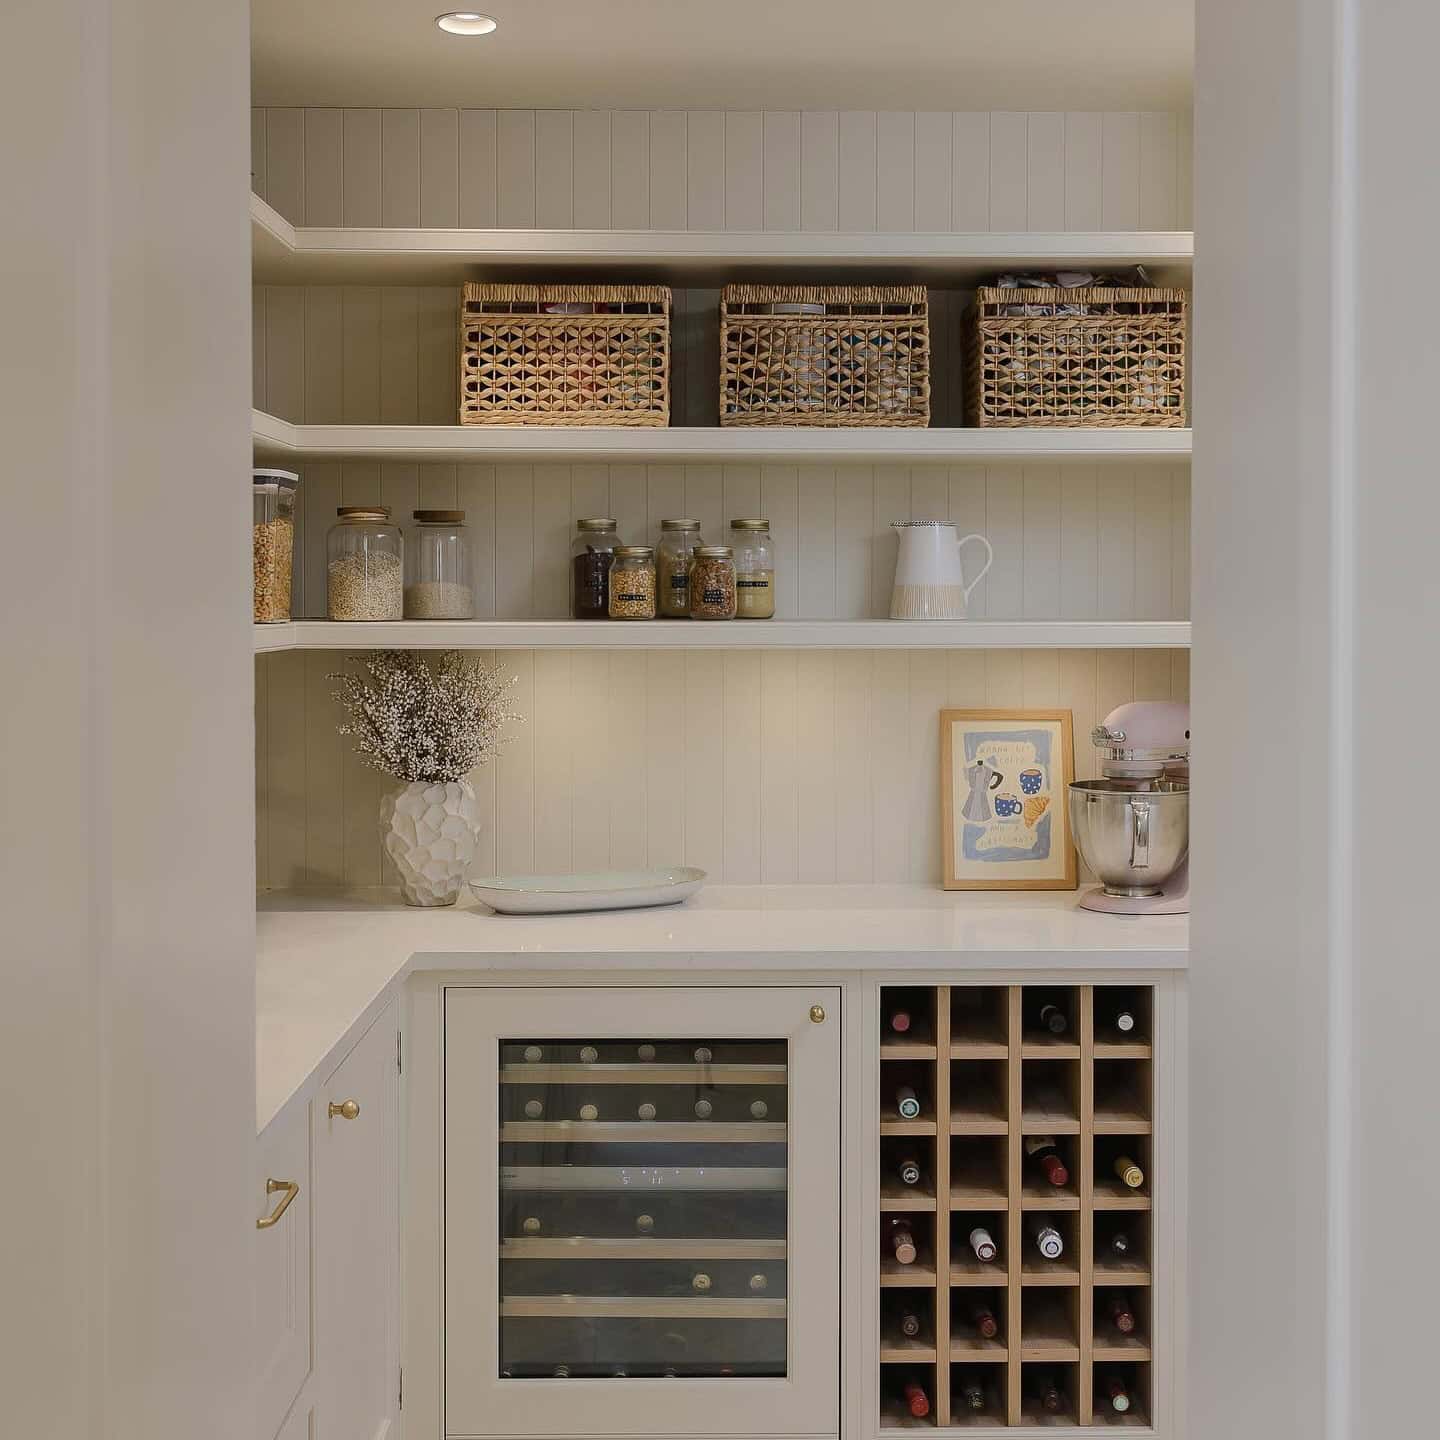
(346, 1110)
(273, 1187)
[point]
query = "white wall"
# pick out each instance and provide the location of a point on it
(127, 979)
(716, 170)
(1315, 988)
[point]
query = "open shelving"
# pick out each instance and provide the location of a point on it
(1053, 1316)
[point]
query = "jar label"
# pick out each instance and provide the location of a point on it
(713, 597)
(752, 584)
(679, 582)
(637, 596)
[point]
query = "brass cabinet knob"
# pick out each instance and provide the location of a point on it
(346, 1110)
(817, 1014)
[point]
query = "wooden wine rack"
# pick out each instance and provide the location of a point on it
(988, 1075)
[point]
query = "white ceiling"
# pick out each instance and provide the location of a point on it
(731, 54)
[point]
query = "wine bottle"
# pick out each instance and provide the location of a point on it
(670, 1373)
(1129, 1172)
(759, 1283)
(1122, 1317)
(1047, 1240)
(531, 1225)
(1047, 1392)
(645, 1223)
(908, 1170)
(907, 1102)
(700, 1281)
(533, 1054)
(1113, 1388)
(1124, 1021)
(972, 1397)
(1119, 1243)
(534, 1109)
(982, 1244)
(982, 1317)
(619, 1374)
(1054, 1019)
(900, 1022)
(1046, 1155)
(588, 1054)
(703, 1109)
(703, 1055)
(909, 1324)
(646, 1052)
(759, 1109)
(902, 1243)
(561, 1372)
(916, 1400)
(646, 1111)
(589, 1112)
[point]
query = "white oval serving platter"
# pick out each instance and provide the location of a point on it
(588, 890)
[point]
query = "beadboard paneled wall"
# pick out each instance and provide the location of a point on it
(716, 170)
(1072, 542)
(759, 766)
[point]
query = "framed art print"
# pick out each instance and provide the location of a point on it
(1004, 778)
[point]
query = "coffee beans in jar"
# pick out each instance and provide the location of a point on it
(632, 583)
(591, 554)
(712, 583)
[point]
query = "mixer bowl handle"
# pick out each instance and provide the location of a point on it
(1139, 834)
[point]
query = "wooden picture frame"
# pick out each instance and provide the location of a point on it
(986, 848)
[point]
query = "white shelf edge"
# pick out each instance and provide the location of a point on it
(735, 635)
(700, 443)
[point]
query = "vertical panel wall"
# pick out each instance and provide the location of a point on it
(712, 170)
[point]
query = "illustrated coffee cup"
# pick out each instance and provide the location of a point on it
(1031, 780)
(1007, 804)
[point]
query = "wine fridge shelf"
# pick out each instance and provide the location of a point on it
(987, 1058)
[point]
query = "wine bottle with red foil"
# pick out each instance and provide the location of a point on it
(982, 1244)
(917, 1402)
(908, 1170)
(1045, 1156)
(982, 1318)
(1048, 1395)
(1119, 1313)
(972, 1398)
(1129, 1172)
(901, 1240)
(907, 1102)
(899, 1021)
(1048, 1240)
(1117, 1396)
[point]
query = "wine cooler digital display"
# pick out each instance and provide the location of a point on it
(643, 1208)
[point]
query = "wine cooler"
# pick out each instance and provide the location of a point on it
(1018, 1269)
(641, 1211)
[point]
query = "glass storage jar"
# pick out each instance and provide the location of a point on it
(632, 583)
(365, 565)
(438, 585)
(274, 542)
(754, 569)
(591, 553)
(678, 539)
(712, 583)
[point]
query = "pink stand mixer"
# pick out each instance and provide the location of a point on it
(1133, 826)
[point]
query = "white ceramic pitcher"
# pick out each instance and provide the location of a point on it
(929, 578)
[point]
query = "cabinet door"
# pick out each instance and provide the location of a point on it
(357, 1243)
(282, 1266)
(642, 1186)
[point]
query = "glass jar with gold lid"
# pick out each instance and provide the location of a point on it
(632, 583)
(754, 569)
(678, 539)
(365, 565)
(712, 583)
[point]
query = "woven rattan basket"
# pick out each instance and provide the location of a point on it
(604, 359)
(856, 355)
(1120, 361)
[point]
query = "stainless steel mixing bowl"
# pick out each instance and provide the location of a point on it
(1134, 839)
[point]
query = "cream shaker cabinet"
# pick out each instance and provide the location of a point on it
(641, 1211)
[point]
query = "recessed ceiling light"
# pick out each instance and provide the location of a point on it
(465, 22)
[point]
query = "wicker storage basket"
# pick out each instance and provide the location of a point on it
(1121, 362)
(824, 355)
(602, 359)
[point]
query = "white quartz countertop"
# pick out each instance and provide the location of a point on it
(324, 964)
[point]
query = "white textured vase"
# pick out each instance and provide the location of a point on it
(431, 830)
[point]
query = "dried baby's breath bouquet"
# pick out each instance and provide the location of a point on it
(421, 719)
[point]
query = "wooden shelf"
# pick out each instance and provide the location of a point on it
(897, 1197)
(1047, 1331)
(737, 635)
(966, 1270)
(289, 254)
(978, 1115)
(1036, 1195)
(975, 1190)
(276, 439)
(638, 1307)
(1045, 1118)
(1112, 1194)
(1117, 1047)
(1109, 1346)
(892, 1124)
(644, 1073)
(1121, 1115)
(920, 1275)
(671, 1132)
(898, 1350)
(1062, 1273)
(964, 1346)
(1121, 1272)
(1038, 1045)
(636, 1248)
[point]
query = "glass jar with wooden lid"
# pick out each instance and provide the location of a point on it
(438, 585)
(712, 583)
(678, 539)
(632, 583)
(365, 565)
(754, 569)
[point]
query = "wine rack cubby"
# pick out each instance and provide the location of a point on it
(1019, 1116)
